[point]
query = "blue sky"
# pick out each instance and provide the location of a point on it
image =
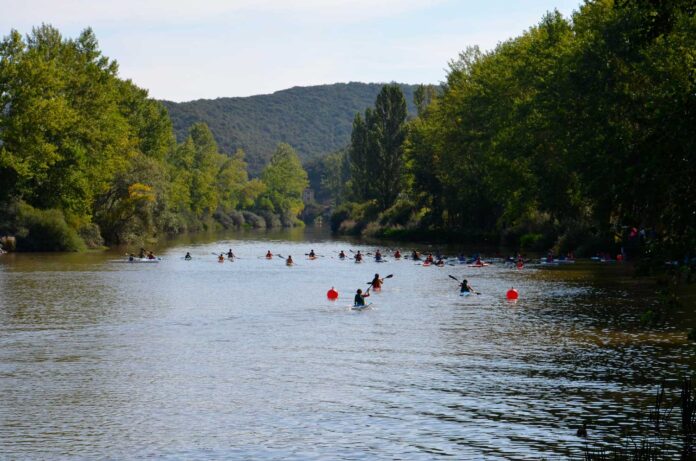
(183, 50)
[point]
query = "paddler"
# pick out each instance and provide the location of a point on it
(465, 287)
(359, 300)
(188, 256)
(221, 258)
(230, 255)
(289, 261)
(440, 262)
(269, 255)
(150, 255)
(376, 282)
(342, 255)
(397, 254)
(142, 253)
(378, 256)
(415, 256)
(358, 256)
(312, 255)
(429, 258)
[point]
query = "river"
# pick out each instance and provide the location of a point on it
(249, 360)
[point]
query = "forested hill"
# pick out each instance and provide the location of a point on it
(314, 120)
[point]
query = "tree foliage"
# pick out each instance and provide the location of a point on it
(80, 147)
(581, 123)
(285, 180)
(376, 150)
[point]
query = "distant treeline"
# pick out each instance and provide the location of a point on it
(314, 120)
(578, 135)
(88, 158)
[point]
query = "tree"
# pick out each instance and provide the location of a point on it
(285, 180)
(376, 150)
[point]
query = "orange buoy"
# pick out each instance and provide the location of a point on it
(512, 294)
(332, 294)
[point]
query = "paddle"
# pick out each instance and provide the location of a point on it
(455, 278)
(387, 277)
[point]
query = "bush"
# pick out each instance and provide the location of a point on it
(254, 220)
(581, 240)
(272, 220)
(91, 235)
(534, 242)
(340, 214)
(46, 230)
(400, 214)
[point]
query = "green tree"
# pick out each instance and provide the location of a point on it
(376, 150)
(285, 180)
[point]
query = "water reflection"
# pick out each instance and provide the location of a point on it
(197, 359)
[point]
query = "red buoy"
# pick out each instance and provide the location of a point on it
(332, 294)
(512, 294)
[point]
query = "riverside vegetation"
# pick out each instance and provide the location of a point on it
(87, 158)
(577, 136)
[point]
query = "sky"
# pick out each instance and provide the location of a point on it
(183, 50)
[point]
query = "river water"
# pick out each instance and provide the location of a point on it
(249, 360)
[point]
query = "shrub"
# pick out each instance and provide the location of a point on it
(254, 220)
(531, 241)
(272, 220)
(46, 230)
(91, 235)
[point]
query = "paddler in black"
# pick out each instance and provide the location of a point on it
(359, 300)
(358, 256)
(312, 254)
(376, 282)
(230, 255)
(188, 256)
(342, 255)
(465, 287)
(378, 256)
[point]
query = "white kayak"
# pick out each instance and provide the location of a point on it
(464, 293)
(360, 308)
(137, 261)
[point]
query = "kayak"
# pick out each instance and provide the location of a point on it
(360, 308)
(358, 261)
(426, 264)
(464, 293)
(312, 258)
(479, 265)
(557, 261)
(289, 264)
(137, 261)
(380, 260)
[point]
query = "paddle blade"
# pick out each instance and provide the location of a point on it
(453, 278)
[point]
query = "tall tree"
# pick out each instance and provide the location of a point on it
(376, 150)
(285, 180)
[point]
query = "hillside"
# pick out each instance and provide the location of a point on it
(314, 120)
